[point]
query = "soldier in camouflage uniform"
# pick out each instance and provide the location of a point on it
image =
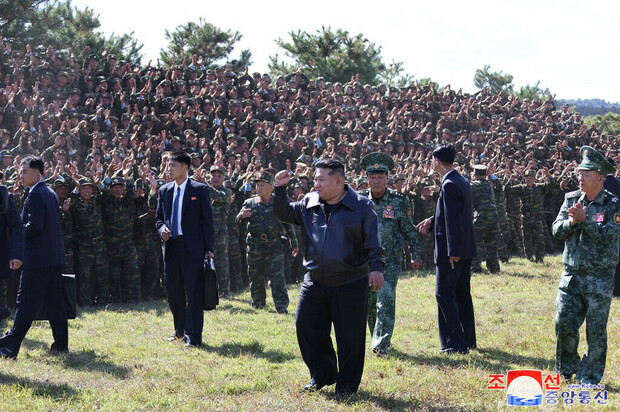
(589, 223)
(504, 229)
(486, 222)
(93, 269)
(62, 188)
(220, 203)
(395, 226)
(532, 195)
(265, 248)
(513, 214)
(234, 251)
(118, 211)
(424, 205)
(144, 235)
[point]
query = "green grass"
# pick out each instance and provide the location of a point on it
(119, 359)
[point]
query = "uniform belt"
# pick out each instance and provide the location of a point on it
(93, 240)
(262, 236)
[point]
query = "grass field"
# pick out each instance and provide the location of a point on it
(119, 359)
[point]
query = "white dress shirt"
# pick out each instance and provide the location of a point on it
(181, 193)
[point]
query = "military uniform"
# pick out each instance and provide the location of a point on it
(515, 223)
(144, 235)
(504, 229)
(118, 217)
(486, 221)
(234, 250)
(585, 289)
(424, 207)
(220, 204)
(93, 268)
(395, 226)
(265, 255)
(533, 217)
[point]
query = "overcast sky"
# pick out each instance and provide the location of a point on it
(572, 47)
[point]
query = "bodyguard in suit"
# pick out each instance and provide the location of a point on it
(11, 239)
(44, 256)
(455, 246)
(185, 223)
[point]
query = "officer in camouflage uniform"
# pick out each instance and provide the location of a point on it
(265, 249)
(62, 187)
(93, 269)
(234, 252)
(395, 225)
(118, 211)
(532, 195)
(589, 223)
(220, 204)
(424, 205)
(486, 221)
(144, 234)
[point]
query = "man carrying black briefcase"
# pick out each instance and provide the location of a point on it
(211, 299)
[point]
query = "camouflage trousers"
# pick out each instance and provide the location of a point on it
(504, 235)
(382, 305)
(574, 304)
(93, 273)
(69, 266)
(234, 266)
(148, 265)
(427, 253)
(221, 262)
(486, 229)
(534, 238)
(124, 271)
(515, 244)
(265, 261)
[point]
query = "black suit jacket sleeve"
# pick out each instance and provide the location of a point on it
(283, 209)
(35, 217)
(453, 206)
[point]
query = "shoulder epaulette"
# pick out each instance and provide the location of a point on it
(574, 193)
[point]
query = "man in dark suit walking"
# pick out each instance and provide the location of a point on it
(44, 256)
(454, 248)
(11, 239)
(185, 223)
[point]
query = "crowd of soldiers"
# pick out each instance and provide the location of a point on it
(105, 126)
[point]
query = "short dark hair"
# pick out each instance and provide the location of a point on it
(335, 166)
(181, 157)
(34, 162)
(445, 153)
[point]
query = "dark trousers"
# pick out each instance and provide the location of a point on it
(616, 292)
(457, 330)
(346, 307)
(185, 283)
(38, 285)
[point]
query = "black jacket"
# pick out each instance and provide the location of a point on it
(342, 249)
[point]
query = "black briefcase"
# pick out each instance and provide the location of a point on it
(212, 296)
(68, 298)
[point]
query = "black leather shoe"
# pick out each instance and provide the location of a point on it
(192, 345)
(311, 387)
(343, 395)
(450, 351)
(7, 354)
(282, 311)
(54, 348)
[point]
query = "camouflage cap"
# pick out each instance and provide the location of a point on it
(266, 175)
(480, 170)
(216, 168)
(398, 177)
(60, 181)
(530, 172)
(593, 160)
(377, 162)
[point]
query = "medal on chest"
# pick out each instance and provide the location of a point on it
(388, 213)
(599, 217)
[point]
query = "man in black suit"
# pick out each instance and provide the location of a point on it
(185, 223)
(453, 228)
(44, 256)
(11, 239)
